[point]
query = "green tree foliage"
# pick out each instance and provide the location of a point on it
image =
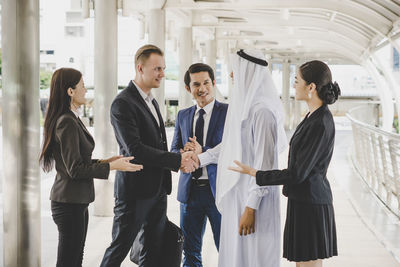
(45, 78)
(171, 76)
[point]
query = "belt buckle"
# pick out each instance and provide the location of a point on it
(199, 182)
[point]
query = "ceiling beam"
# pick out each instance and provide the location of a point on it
(297, 23)
(362, 13)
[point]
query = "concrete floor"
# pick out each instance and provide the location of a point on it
(368, 234)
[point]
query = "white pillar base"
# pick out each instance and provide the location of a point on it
(104, 196)
(106, 86)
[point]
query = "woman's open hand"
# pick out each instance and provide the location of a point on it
(242, 168)
(110, 159)
(123, 164)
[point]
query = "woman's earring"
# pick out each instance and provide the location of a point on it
(309, 95)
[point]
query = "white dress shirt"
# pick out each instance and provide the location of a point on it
(210, 156)
(148, 98)
(75, 112)
(207, 115)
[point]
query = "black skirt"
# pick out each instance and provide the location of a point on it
(310, 232)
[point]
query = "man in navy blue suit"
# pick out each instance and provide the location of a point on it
(200, 124)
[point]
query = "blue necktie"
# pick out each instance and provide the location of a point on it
(199, 133)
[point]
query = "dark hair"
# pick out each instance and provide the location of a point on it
(318, 72)
(196, 68)
(145, 52)
(59, 104)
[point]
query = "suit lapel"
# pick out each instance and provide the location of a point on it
(85, 130)
(160, 119)
(307, 120)
(83, 126)
(213, 121)
(298, 130)
(158, 113)
(190, 122)
(141, 100)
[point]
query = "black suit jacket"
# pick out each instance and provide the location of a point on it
(310, 153)
(139, 135)
(72, 151)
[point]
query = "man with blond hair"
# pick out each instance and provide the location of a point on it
(140, 198)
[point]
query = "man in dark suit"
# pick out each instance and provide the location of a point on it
(140, 197)
(201, 125)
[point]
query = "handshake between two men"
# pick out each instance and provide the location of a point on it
(190, 161)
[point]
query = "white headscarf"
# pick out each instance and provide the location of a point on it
(253, 85)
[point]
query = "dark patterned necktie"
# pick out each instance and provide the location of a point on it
(199, 133)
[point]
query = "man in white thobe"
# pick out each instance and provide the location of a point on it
(250, 227)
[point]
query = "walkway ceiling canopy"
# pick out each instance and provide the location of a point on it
(343, 31)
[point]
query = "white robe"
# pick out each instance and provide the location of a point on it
(261, 249)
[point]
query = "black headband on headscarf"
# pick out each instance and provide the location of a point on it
(255, 60)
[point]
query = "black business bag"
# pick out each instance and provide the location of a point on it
(172, 246)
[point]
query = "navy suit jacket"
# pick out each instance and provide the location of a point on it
(184, 130)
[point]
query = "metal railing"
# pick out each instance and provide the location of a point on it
(376, 155)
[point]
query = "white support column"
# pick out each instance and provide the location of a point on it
(196, 55)
(106, 86)
(20, 118)
(384, 94)
(185, 60)
(227, 61)
(211, 53)
(157, 37)
(211, 60)
(296, 111)
(286, 92)
(395, 44)
(390, 80)
(269, 64)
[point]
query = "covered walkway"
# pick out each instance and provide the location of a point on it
(368, 234)
(359, 33)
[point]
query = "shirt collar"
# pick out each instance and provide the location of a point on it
(146, 97)
(76, 113)
(207, 108)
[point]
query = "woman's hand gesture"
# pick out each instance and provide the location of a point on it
(123, 164)
(242, 168)
(110, 159)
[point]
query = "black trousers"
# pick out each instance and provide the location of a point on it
(72, 221)
(129, 218)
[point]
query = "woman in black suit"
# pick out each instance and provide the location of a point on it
(310, 231)
(69, 145)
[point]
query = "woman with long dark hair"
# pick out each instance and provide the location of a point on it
(69, 145)
(310, 231)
